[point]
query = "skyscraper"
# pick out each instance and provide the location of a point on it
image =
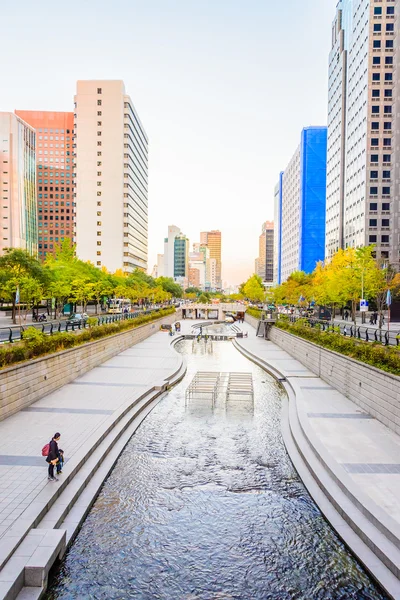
(362, 207)
(302, 205)
(212, 239)
(54, 176)
(111, 177)
(265, 260)
(18, 209)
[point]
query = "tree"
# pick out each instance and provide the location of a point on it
(16, 264)
(253, 289)
(169, 285)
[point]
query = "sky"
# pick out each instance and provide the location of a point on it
(223, 88)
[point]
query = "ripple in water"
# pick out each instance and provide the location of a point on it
(205, 504)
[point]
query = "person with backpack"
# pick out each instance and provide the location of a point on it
(53, 454)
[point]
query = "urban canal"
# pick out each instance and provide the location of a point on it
(204, 503)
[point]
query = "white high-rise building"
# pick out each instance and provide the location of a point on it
(169, 250)
(362, 207)
(18, 209)
(111, 168)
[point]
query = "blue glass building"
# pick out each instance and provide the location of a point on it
(302, 206)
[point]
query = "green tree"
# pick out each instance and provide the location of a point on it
(169, 285)
(253, 289)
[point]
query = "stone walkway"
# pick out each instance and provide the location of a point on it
(368, 451)
(76, 410)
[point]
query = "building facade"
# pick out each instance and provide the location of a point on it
(54, 176)
(277, 230)
(362, 207)
(213, 241)
(303, 205)
(18, 208)
(181, 257)
(265, 261)
(111, 174)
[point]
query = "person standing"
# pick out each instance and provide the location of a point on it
(53, 456)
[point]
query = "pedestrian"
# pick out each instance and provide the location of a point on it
(346, 316)
(383, 319)
(61, 461)
(375, 318)
(52, 457)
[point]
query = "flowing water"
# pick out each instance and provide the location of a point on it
(204, 503)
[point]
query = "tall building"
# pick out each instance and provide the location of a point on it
(111, 177)
(181, 256)
(169, 251)
(277, 230)
(265, 260)
(303, 204)
(362, 207)
(54, 176)
(199, 262)
(212, 239)
(18, 208)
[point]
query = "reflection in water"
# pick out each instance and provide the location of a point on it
(205, 504)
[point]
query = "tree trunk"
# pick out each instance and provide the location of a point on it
(353, 311)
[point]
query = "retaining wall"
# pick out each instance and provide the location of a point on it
(375, 391)
(23, 384)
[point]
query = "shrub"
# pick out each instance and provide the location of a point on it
(382, 357)
(35, 343)
(254, 312)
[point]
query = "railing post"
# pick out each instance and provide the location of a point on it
(51, 328)
(366, 335)
(386, 338)
(359, 333)
(10, 337)
(376, 335)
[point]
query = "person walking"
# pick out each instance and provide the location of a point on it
(53, 456)
(346, 316)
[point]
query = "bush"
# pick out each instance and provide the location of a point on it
(254, 312)
(382, 357)
(35, 343)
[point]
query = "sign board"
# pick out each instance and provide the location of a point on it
(363, 305)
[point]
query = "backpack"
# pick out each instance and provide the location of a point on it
(46, 449)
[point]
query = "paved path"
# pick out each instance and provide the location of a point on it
(368, 451)
(76, 410)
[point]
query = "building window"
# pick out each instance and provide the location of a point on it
(388, 60)
(99, 113)
(99, 132)
(98, 183)
(99, 91)
(377, 27)
(99, 233)
(388, 76)
(98, 223)
(378, 10)
(386, 191)
(374, 158)
(373, 222)
(373, 191)
(375, 94)
(99, 143)
(376, 60)
(386, 206)
(389, 44)
(372, 239)
(98, 102)
(374, 142)
(375, 110)
(386, 174)
(374, 175)
(376, 76)
(388, 93)
(99, 163)
(389, 27)
(384, 239)
(373, 206)
(98, 203)
(385, 223)
(375, 125)
(387, 141)
(377, 43)
(387, 110)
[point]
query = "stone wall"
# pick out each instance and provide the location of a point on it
(375, 391)
(251, 321)
(23, 384)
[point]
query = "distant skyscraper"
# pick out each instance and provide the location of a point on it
(362, 207)
(54, 176)
(111, 177)
(212, 239)
(169, 251)
(303, 203)
(18, 208)
(176, 256)
(265, 261)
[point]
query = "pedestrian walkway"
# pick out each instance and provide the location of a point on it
(366, 449)
(78, 411)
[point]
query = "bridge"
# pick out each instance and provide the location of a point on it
(215, 312)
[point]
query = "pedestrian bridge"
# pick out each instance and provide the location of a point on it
(215, 312)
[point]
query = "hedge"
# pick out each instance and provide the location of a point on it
(254, 312)
(36, 343)
(371, 353)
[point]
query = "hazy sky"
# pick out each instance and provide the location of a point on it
(223, 88)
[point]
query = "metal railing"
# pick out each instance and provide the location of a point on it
(16, 333)
(360, 332)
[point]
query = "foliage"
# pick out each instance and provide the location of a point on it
(253, 289)
(35, 343)
(169, 285)
(385, 358)
(254, 312)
